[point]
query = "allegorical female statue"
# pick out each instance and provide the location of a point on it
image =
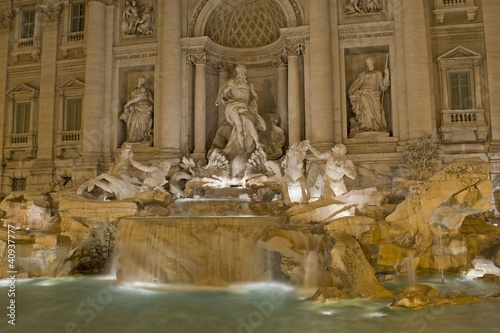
(366, 99)
(138, 113)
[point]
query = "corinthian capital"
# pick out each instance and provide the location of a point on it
(294, 49)
(197, 58)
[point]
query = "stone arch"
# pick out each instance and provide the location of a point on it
(292, 9)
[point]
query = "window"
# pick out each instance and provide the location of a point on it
(77, 22)
(28, 24)
(18, 184)
(22, 117)
(73, 121)
(460, 91)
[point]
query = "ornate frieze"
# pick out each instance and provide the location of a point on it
(138, 52)
(476, 28)
(217, 53)
(381, 29)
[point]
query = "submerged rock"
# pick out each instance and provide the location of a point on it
(422, 295)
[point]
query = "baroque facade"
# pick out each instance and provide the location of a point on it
(79, 80)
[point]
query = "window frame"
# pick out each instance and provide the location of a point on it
(80, 18)
(24, 126)
(462, 100)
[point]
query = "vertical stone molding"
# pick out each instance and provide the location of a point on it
(170, 77)
(6, 17)
(321, 74)
(417, 68)
(48, 87)
(295, 123)
(282, 99)
(200, 101)
(491, 13)
(93, 107)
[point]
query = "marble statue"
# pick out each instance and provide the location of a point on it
(294, 187)
(116, 180)
(365, 95)
(154, 175)
(337, 166)
(138, 113)
(240, 99)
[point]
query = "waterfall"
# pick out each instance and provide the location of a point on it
(311, 270)
(192, 250)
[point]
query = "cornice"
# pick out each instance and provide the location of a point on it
(461, 29)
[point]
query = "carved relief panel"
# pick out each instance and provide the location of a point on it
(138, 18)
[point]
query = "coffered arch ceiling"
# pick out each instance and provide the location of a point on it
(244, 23)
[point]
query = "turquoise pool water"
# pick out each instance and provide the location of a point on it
(99, 304)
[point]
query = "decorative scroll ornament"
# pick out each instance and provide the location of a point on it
(51, 12)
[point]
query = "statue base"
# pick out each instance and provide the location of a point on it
(370, 135)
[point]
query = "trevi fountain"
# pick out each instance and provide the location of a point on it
(267, 230)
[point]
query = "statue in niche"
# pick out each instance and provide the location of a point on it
(138, 113)
(366, 96)
(337, 166)
(241, 113)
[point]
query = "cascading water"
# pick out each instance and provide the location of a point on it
(192, 250)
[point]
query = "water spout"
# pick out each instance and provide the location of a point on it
(441, 253)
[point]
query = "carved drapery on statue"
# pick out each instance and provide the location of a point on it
(138, 114)
(245, 129)
(366, 97)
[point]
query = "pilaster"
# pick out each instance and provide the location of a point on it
(417, 61)
(170, 79)
(491, 13)
(321, 74)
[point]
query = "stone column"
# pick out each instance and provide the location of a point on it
(170, 78)
(417, 62)
(491, 13)
(321, 75)
(223, 71)
(295, 123)
(200, 107)
(5, 25)
(42, 170)
(93, 98)
(282, 98)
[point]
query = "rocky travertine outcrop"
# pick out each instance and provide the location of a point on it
(421, 295)
(435, 209)
(313, 258)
